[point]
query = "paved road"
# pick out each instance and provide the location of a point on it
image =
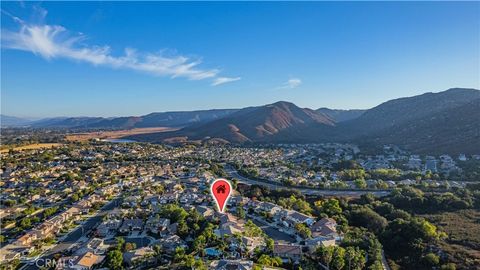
(384, 261)
(76, 234)
(307, 191)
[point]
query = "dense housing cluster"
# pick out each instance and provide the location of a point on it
(131, 205)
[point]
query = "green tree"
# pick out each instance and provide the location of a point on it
(448, 266)
(350, 175)
(115, 259)
(331, 207)
(199, 244)
(240, 212)
(9, 203)
(295, 203)
(173, 212)
(377, 265)
(269, 261)
(366, 217)
(179, 254)
(182, 229)
(360, 183)
(354, 258)
(303, 230)
(199, 265)
(49, 211)
(269, 244)
(120, 243)
(381, 184)
(252, 230)
(25, 223)
(189, 261)
(431, 259)
(234, 183)
(325, 255)
(374, 251)
(338, 261)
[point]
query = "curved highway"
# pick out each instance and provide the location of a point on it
(305, 190)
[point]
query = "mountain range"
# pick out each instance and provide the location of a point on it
(157, 119)
(432, 123)
(436, 123)
(11, 121)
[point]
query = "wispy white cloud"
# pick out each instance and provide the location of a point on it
(54, 41)
(291, 83)
(222, 80)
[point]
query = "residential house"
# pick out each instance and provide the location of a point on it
(27, 239)
(87, 261)
(131, 257)
(288, 252)
(314, 243)
(169, 244)
(168, 198)
(107, 227)
(324, 227)
(155, 224)
(205, 211)
(251, 243)
(293, 217)
(97, 246)
(135, 224)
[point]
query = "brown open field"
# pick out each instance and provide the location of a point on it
(32, 146)
(463, 242)
(115, 134)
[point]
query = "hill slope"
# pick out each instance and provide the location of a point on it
(66, 122)
(163, 119)
(281, 121)
(341, 115)
(160, 119)
(435, 123)
(453, 130)
(395, 112)
(444, 122)
(12, 121)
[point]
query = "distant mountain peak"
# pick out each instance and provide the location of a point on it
(441, 122)
(281, 103)
(444, 122)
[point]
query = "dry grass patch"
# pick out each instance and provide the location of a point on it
(31, 147)
(80, 137)
(463, 229)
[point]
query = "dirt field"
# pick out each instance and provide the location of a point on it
(115, 134)
(32, 146)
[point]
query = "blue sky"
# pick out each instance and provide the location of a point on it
(126, 58)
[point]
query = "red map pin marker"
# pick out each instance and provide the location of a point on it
(221, 190)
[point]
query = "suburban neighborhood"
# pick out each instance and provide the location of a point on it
(101, 204)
